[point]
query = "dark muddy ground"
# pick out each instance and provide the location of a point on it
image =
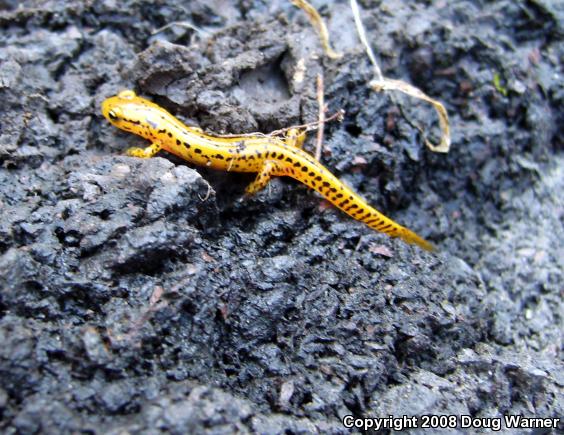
(140, 296)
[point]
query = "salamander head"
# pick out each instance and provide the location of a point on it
(129, 112)
(118, 109)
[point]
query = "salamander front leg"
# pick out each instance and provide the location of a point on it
(262, 179)
(144, 153)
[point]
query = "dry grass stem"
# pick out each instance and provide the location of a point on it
(319, 25)
(382, 83)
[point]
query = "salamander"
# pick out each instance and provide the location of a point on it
(269, 156)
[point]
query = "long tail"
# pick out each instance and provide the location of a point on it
(360, 210)
(352, 204)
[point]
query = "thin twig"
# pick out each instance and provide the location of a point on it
(184, 24)
(321, 120)
(208, 193)
(338, 115)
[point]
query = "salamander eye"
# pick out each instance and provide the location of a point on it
(112, 115)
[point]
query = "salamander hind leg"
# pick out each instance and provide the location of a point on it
(144, 153)
(295, 137)
(263, 177)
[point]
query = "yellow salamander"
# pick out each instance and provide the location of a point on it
(268, 155)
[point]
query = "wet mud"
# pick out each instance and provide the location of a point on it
(148, 296)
